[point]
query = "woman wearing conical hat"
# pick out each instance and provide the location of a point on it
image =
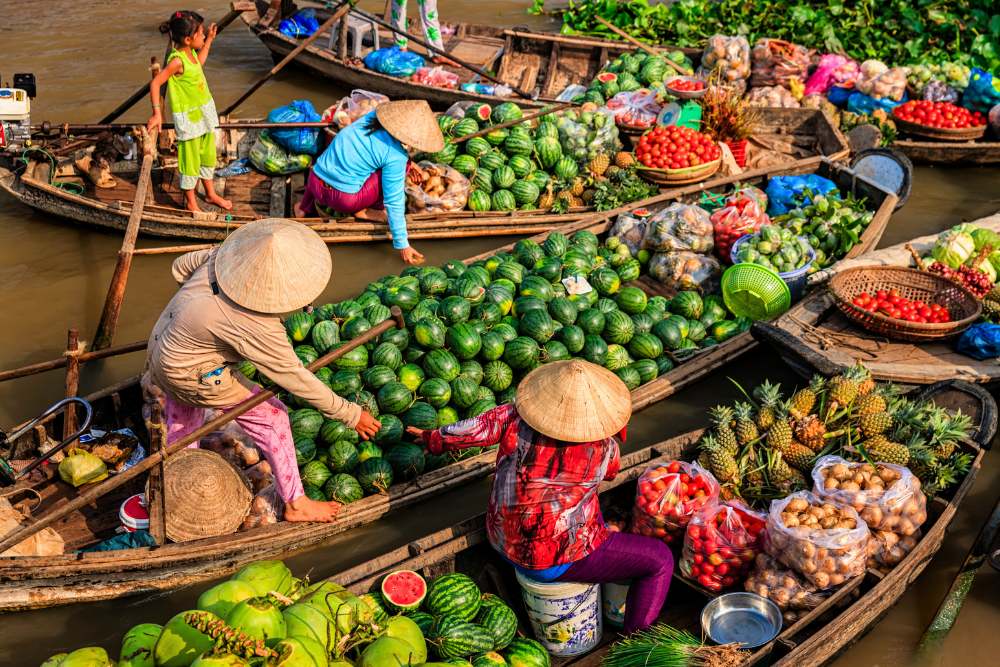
(556, 445)
(228, 309)
(365, 168)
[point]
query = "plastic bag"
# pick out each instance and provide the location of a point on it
(864, 104)
(637, 108)
(983, 91)
(980, 341)
(879, 81)
(686, 271)
(353, 106)
(272, 159)
(787, 192)
(720, 544)
(839, 95)
(888, 497)
(776, 62)
(668, 495)
(234, 168)
(584, 134)
(46, 542)
(833, 69)
(742, 214)
(936, 91)
(825, 543)
(773, 96)
(394, 61)
(300, 24)
(301, 139)
(630, 229)
(266, 508)
(888, 549)
(438, 77)
(786, 588)
(728, 55)
(954, 246)
(679, 227)
(81, 468)
(435, 188)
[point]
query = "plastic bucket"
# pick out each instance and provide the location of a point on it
(613, 601)
(796, 280)
(133, 513)
(565, 616)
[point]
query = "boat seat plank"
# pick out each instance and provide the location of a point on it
(476, 49)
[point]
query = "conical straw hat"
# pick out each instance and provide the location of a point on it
(574, 401)
(273, 266)
(412, 122)
(205, 496)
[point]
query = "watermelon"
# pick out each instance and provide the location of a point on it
(375, 314)
(463, 639)
(522, 353)
(724, 330)
(411, 376)
(467, 125)
(454, 594)
(648, 369)
(342, 456)
(507, 331)
(325, 335)
(549, 268)
(479, 112)
(687, 304)
(463, 341)
(521, 165)
(441, 364)
(525, 193)
(446, 155)
(435, 391)
(512, 271)
(488, 313)
(476, 147)
(592, 321)
(429, 333)
(423, 620)
(306, 354)
(403, 297)
(566, 168)
(333, 430)
(572, 337)
(492, 346)
(629, 376)
(605, 280)
(433, 281)
(617, 357)
(537, 324)
(343, 310)
(500, 622)
(420, 415)
(538, 287)
(496, 137)
(453, 309)
(298, 325)
(632, 300)
(354, 360)
(525, 304)
(404, 590)
(463, 391)
(505, 112)
(398, 337)
(517, 144)
(669, 333)
(492, 161)
(618, 327)
(394, 398)
(489, 659)
(368, 402)
(447, 415)
(305, 423)
(563, 310)
(696, 331)
(376, 376)
(479, 199)
(528, 252)
(374, 475)
(497, 375)
(387, 356)
(503, 177)
(555, 351)
(549, 151)
(473, 369)
(523, 652)
(391, 430)
(315, 473)
(368, 450)
(313, 492)
(503, 200)
(594, 350)
(645, 346)
(407, 460)
(644, 321)
(539, 178)
(468, 289)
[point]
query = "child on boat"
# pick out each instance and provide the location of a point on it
(191, 105)
(556, 446)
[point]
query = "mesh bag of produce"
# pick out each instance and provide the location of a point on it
(879, 81)
(888, 549)
(586, 134)
(742, 214)
(686, 270)
(272, 159)
(637, 108)
(776, 62)
(668, 495)
(352, 107)
(887, 496)
(824, 542)
(833, 69)
(730, 56)
(773, 96)
(630, 229)
(434, 188)
(720, 544)
(786, 588)
(679, 227)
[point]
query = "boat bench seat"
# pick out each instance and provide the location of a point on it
(358, 29)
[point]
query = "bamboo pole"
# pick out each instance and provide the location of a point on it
(155, 499)
(43, 366)
(72, 380)
(89, 496)
(345, 7)
(645, 47)
(116, 291)
(544, 111)
(66, 128)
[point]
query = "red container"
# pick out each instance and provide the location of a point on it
(739, 150)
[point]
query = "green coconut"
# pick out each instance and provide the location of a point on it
(219, 660)
(307, 621)
(179, 643)
(353, 612)
(401, 627)
(297, 589)
(266, 576)
(340, 663)
(221, 598)
(386, 651)
(55, 660)
(299, 652)
(137, 645)
(259, 618)
(91, 656)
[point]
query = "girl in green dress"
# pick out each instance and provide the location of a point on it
(191, 105)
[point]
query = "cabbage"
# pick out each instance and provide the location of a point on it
(953, 248)
(986, 266)
(985, 237)
(994, 259)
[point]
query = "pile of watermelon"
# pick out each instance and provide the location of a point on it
(632, 71)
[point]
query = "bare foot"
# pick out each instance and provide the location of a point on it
(298, 212)
(306, 509)
(442, 60)
(191, 201)
(224, 204)
(371, 214)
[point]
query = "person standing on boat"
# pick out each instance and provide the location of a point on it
(191, 105)
(556, 445)
(228, 309)
(364, 167)
(396, 14)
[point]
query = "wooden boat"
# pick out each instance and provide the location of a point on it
(949, 152)
(814, 639)
(814, 335)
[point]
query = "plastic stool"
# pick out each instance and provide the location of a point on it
(357, 30)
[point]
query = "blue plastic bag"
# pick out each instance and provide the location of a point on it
(982, 93)
(300, 24)
(863, 104)
(980, 341)
(394, 61)
(300, 140)
(787, 192)
(839, 95)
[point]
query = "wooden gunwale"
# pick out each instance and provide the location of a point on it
(950, 152)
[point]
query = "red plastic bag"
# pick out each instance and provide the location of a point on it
(720, 545)
(744, 213)
(438, 77)
(668, 495)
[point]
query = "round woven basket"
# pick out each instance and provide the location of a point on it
(205, 495)
(680, 176)
(913, 285)
(940, 133)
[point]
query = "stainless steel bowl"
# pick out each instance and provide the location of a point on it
(744, 618)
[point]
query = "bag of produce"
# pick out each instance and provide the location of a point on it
(952, 75)
(879, 81)
(637, 108)
(776, 62)
(983, 91)
(888, 549)
(742, 214)
(82, 467)
(686, 270)
(586, 134)
(730, 56)
(394, 61)
(438, 77)
(298, 140)
(353, 106)
(773, 96)
(786, 588)
(887, 496)
(824, 542)
(300, 24)
(272, 159)
(787, 192)
(679, 227)
(865, 104)
(630, 229)
(720, 544)
(833, 69)
(435, 188)
(937, 91)
(954, 247)
(980, 341)
(668, 495)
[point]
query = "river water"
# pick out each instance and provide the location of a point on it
(89, 56)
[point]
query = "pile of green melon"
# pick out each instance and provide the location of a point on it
(265, 616)
(632, 71)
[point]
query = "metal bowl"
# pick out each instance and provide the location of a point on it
(744, 618)
(685, 94)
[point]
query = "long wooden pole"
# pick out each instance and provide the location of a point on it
(510, 123)
(51, 365)
(645, 47)
(327, 25)
(46, 127)
(25, 531)
(237, 9)
(72, 380)
(116, 292)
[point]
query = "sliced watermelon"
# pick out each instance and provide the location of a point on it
(404, 589)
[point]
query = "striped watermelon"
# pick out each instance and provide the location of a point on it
(511, 270)
(503, 200)
(388, 355)
(423, 620)
(549, 268)
(594, 350)
(528, 252)
(411, 376)
(629, 376)
(375, 314)
(446, 155)
(454, 309)
(647, 369)
(617, 357)
(630, 270)
(618, 327)
(538, 325)
(482, 181)
(394, 398)
(493, 160)
(490, 659)
(430, 333)
(547, 127)
(420, 415)
(566, 168)
(645, 346)
(503, 177)
(463, 639)
(298, 325)
(517, 144)
(525, 193)
(407, 460)
(306, 354)
(454, 594)
(506, 331)
(500, 622)
(555, 351)
(465, 126)
(521, 165)
(325, 335)
(464, 391)
(305, 423)
(496, 137)
(463, 341)
(435, 391)
(522, 353)
(592, 321)
(343, 456)
(505, 112)
(549, 151)
(378, 376)
(479, 200)
(374, 475)
(492, 346)
(555, 244)
(343, 488)
(605, 280)
(523, 652)
(497, 375)
(441, 364)
(644, 321)
(563, 310)
(476, 147)
(572, 337)
(632, 300)
(539, 178)
(537, 286)
(465, 164)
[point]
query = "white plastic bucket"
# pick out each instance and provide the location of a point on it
(613, 600)
(565, 616)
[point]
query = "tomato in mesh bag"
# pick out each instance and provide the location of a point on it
(744, 213)
(668, 495)
(720, 544)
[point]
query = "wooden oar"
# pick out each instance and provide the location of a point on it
(645, 47)
(237, 9)
(345, 7)
(91, 495)
(433, 49)
(510, 123)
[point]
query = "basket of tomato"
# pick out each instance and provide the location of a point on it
(939, 120)
(677, 155)
(685, 87)
(904, 303)
(720, 545)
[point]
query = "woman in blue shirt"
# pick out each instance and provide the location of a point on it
(365, 168)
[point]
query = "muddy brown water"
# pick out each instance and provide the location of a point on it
(89, 56)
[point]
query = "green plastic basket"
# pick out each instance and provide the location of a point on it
(755, 291)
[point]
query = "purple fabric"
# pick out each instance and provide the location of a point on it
(320, 192)
(646, 561)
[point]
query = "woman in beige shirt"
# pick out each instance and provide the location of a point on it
(228, 309)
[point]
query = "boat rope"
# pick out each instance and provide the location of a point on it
(827, 339)
(72, 188)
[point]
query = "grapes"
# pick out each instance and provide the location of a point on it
(972, 279)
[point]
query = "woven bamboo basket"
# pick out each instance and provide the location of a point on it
(680, 176)
(940, 133)
(913, 285)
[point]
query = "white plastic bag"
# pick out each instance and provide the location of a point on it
(636, 109)
(685, 270)
(353, 106)
(679, 227)
(630, 229)
(435, 188)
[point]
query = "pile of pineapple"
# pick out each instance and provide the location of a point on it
(765, 447)
(579, 191)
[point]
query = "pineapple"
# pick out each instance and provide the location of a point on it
(795, 482)
(799, 456)
(874, 423)
(546, 201)
(576, 187)
(703, 459)
(843, 390)
(779, 436)
(721, 417)
(810, 431)
(804, 399)
(599, 164)
(746, 429)
(870, 404)
(723, 465)
(588, 196)
(778, 471)
(565, 195)
(768, 394)
(576, 201)
(624, 159)
(880, 449)
(947, 430)
(863, 376)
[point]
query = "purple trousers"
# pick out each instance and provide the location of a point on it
(321, 193)
(646, 561)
